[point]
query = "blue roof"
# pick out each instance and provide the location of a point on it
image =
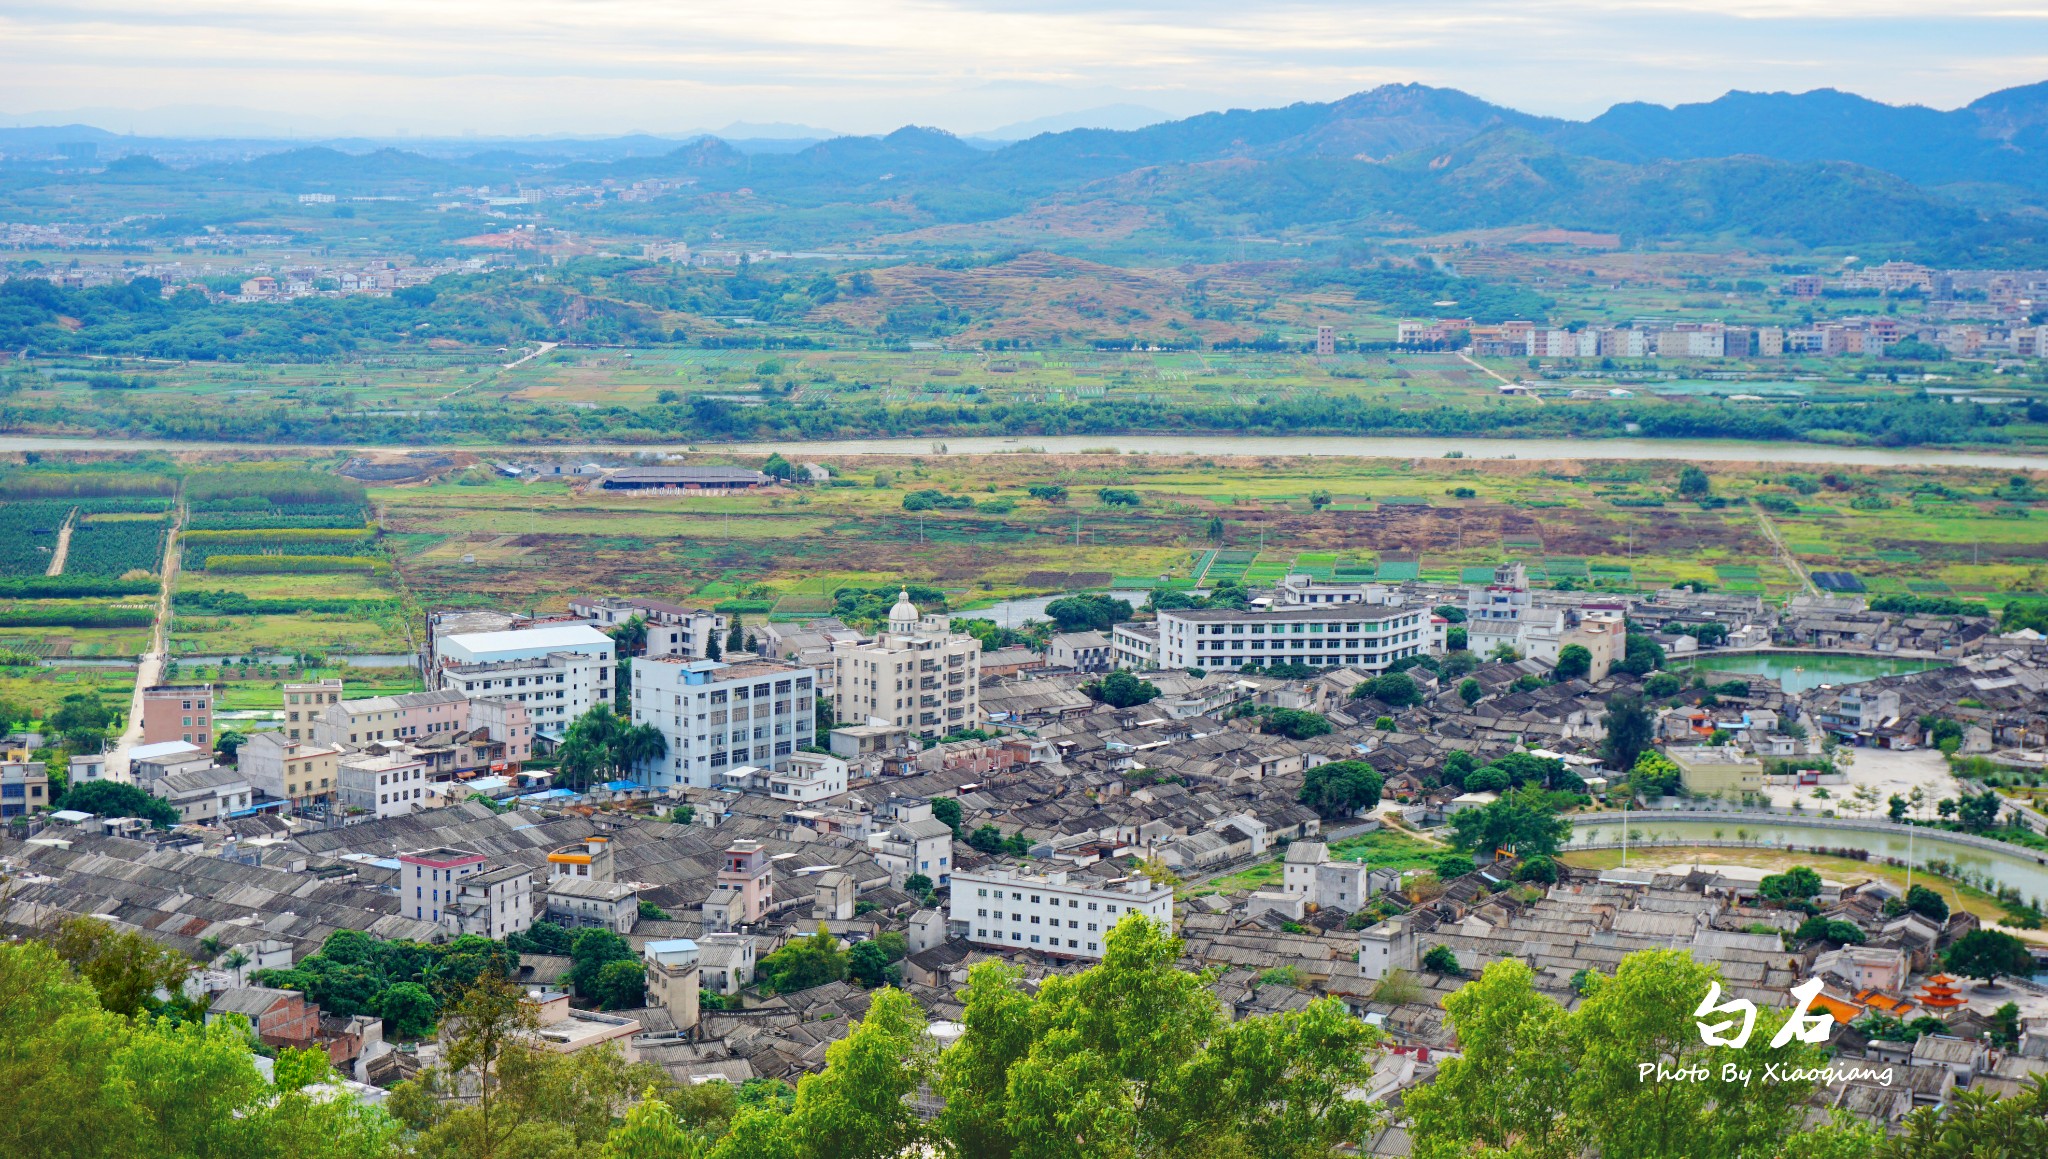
(548, 795)
(620, 786)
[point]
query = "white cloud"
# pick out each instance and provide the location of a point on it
(519, 66)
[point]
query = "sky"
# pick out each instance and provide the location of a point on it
(596, 67)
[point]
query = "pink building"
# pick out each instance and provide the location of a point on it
(178, 712)
(747, 870)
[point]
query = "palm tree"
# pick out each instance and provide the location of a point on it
(234, 961)
(639, 746)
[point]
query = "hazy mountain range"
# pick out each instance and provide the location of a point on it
(1821, 168)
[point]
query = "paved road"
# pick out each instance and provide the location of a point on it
(150, 670)
(63, 545)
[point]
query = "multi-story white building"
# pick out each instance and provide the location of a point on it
(1354, 635)
(555, 688)
(382, 784)
(718, 717)
(1050, 913)
(807, 778)
(532, 643)
(1495, 612)
(913, 843)
(917, 674)
(457, 889)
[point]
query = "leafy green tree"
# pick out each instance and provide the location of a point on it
(125, 968)
(1441, 960)
(1927, 903)
(620, 983)
(589, 951)
(1510, 1089)
(1989, 954)
(1341, 789)
(1089, 612)
(802, 963)
(1120, 689)
(1452, 865)
(1799, 882)
(1469, 691)
(997, 1033)
(1975, 1125)
(947, 810)
(859, 1106)
(1574, 661)
(112, 799)
(1896, 808)
(651, 1131)
(228, 744)
(1491, 779)
(651, 912)
(1458, 766)
(867, 964)
(1525, 822)
(1820, 929)
(1293, 723)
(682, 814)
(1395, 688)
(1630, 728)
(1693, 483)
(408, 1010)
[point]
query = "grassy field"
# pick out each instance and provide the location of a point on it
(40, 690)
(1384, 849)
(1591, 525)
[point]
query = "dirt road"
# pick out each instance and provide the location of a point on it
(63, 545)
(150, 670)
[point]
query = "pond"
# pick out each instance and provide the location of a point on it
(2022, 868)
(1802, 671)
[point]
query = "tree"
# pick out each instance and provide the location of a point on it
(867, 964)
(1974, 1125)
(1511, 1084)
(1796, 884)
(802, 963)
(1395, 688)
(1927, 903)
(1469, 691)
(228, 744)
(113, 799)
(1487, 780)
(125, 968)
(1458, 766)
(736, 635)
(1341, 789)
(652, 1132)
(489, 1019)
(590, 951)
(1573, 662)
(1640, 655)
(1693, 483)
(408, 1010)
(1454, 865)
(1525, 822)
(947, 811)
(1047, 492)
(1120, 689)
(1441, 960)
(620, 983)
(1987, 955)
(1293, 723)
(682, 814)
(1456, 639)
(1088, 613)
(917, 885)
(1630, 728)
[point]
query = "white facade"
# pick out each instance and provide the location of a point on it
(914, 843)
(672, 629)
(555, 688)
(1006, 908)
(721, 717)
(917, 674)
(532, 644)
(382, 785)
(808, 777)
(1342, 635)
(493, 904)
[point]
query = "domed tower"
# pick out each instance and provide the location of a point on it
(903, 617)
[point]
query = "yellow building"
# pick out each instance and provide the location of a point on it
(1717, 770)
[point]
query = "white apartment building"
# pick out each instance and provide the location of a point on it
(1012, 909)
(457, 889)
(382, 784)
(555, 688)
(720, 717)
(913, 843)
(531, 643)
(1300, 591)
(1494, 613)
(917, 674)
(1354, 635)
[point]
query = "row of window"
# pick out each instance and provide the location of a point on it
(1017, 936)
(1016, 917)
(1018, 895)
(1353, 627)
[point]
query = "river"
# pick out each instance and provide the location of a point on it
(1388, 447)
(2024, 868)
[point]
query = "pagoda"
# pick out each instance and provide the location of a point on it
(1940, 993)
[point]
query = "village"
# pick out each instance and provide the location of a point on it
(1279, 776)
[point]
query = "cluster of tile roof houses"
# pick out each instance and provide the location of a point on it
(1182, 779)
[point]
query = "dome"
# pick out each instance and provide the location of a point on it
(903, 617)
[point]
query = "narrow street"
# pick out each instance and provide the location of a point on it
(150, 670)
